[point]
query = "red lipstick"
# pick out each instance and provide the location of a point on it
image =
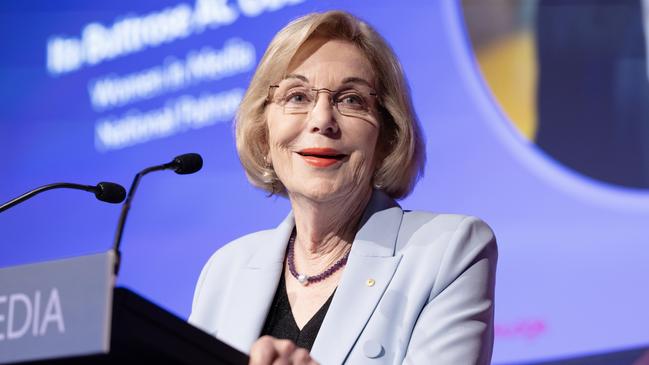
(321, 157)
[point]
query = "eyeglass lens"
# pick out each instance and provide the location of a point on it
(300, 98)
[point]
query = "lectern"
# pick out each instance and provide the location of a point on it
(70, 312)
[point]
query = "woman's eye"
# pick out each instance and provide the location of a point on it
(296, 98)
(351, 100)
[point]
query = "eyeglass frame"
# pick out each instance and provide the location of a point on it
(317, 91)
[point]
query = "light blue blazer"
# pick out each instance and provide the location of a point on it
(432, 301)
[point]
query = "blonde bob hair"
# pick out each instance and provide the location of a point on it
(400, 143)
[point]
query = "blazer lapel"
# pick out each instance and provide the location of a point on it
(371, 265)
(247, 306)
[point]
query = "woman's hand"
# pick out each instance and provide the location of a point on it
(269, 350)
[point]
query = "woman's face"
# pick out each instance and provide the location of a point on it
(317, 151)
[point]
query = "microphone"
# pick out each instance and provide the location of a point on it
(186, 164)
(105, 191)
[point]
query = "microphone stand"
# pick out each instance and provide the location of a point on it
(188, 163)
(125, 208)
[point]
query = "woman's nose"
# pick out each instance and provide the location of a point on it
(322, 118)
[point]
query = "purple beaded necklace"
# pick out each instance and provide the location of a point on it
(305, 279)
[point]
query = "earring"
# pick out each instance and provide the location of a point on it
(376, 183)
(268, 174)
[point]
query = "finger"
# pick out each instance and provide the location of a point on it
(300, 356)
(263, 351)
(282, 361)
(284, 348)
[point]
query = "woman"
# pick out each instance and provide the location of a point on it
(348, 276)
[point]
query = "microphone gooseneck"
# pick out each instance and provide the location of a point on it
(105, 191)
(188, 163)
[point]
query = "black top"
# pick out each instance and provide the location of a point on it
(280, 322)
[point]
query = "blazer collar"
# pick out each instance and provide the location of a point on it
(371, 257)
(246, 307)
(379, 227)
(371, 265)
(273, 252)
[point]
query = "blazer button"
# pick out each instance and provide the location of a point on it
(372, 349)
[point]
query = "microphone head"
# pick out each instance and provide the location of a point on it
(110, 192)
(188, 163)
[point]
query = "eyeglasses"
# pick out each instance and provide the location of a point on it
(352, 101)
